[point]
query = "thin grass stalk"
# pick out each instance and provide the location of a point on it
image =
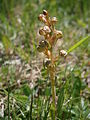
(30, 114)
(8, 102)
(52, 79)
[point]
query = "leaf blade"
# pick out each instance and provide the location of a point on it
(60, 102)
(77, 44)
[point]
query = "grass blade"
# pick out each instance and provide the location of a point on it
(77, 44)
(60, 102)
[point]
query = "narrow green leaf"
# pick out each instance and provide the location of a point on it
(77, 44)
(60, 102)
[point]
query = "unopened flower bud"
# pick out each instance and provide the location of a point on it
(40, 49)
(42, 46)
(54, 20)
(46, 29)
(45, 12)
(58, 34)
(42, 32)
(44, 43)
(42, 18)
(63, 53)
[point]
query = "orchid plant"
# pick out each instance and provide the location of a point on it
(51, 35)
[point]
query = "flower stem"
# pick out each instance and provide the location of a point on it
(53, 93)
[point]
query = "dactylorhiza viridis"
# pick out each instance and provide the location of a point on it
(51, 35)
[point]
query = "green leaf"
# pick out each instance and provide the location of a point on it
(77, 44)
(60, 102)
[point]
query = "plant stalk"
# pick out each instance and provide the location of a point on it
(52, 78)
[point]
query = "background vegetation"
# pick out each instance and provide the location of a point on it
(24, 83)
